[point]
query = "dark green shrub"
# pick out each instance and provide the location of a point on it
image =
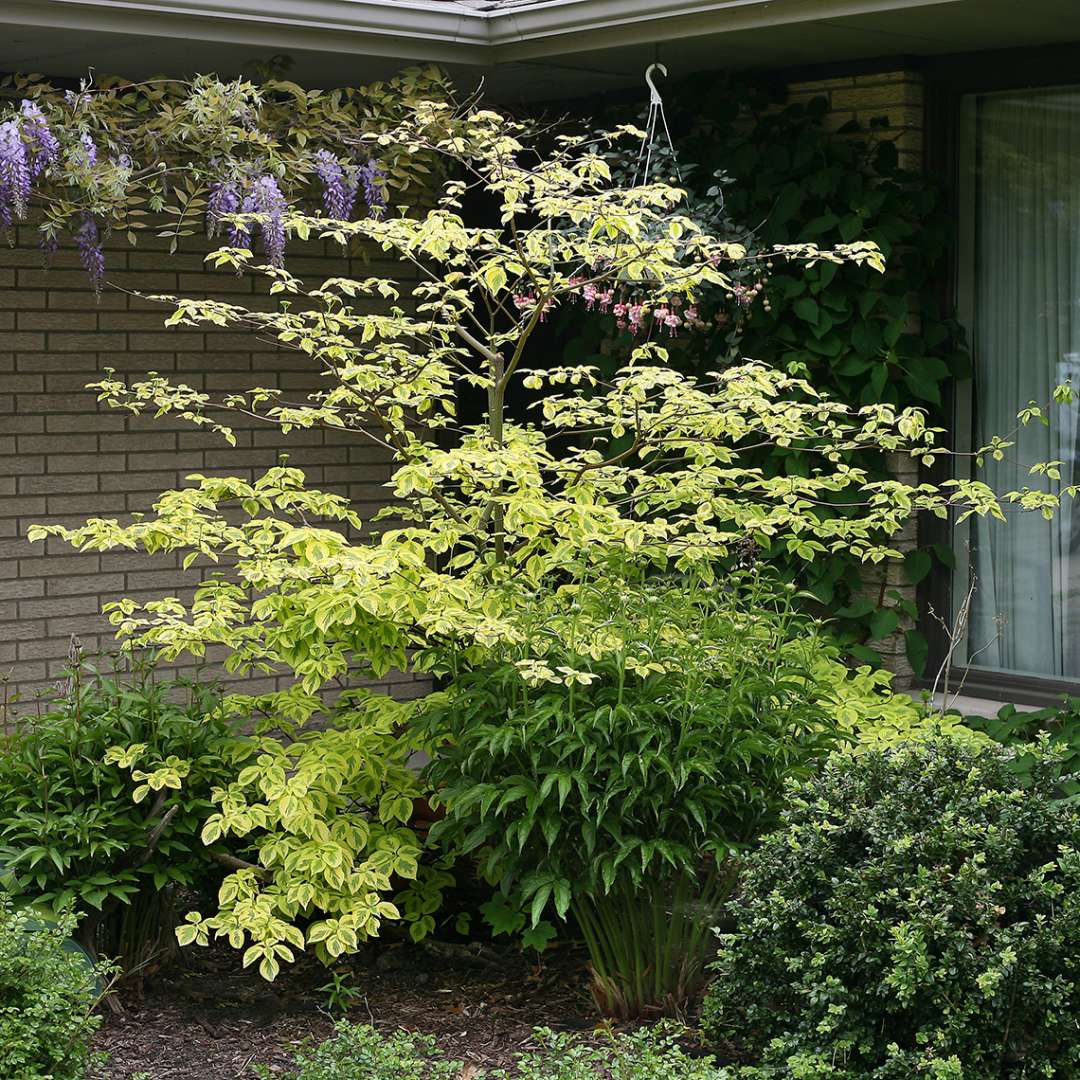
(102, 797)
(47, 994)
(615, 789)
(918, 914)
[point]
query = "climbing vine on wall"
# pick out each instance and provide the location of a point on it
(177, 157)
(778, 175)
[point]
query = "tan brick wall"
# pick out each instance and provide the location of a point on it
(64, 457)
(897, 95)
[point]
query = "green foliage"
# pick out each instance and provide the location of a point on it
(748, 159)
(326, 812)
(644, 1054)
(917, 914)
(163, 145)
(102, 796)
(1025, 729)
(340, 992)
(359, 1052)
(645, 471)
(47, 994)
(618, 792)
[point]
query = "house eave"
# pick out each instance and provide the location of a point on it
(438, 30)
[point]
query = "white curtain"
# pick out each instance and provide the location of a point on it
(1026, 340)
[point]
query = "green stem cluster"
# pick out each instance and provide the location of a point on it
(649, 944)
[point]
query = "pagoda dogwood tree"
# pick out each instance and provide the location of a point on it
(647, 473)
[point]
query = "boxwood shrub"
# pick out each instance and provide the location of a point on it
(917, 914)
(48, 989)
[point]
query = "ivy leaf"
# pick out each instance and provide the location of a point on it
(883, 623)
(538, 937)
(918, 650)
(807, 309)
(917, 565)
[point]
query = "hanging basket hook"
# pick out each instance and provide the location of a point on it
(654, 94)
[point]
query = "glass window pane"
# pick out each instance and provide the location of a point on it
(1022, 225)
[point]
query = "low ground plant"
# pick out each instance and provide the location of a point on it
(359, 1052)
(917, 914)
(48, 990)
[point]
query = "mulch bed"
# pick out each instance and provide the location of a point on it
(210, 1020)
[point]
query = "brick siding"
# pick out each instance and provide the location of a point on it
(64, 457)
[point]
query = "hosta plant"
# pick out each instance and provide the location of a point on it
(611, 478)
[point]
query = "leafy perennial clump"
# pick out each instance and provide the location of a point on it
(917, 914)
(612, 481)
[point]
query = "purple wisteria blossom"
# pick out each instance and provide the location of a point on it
(89, 148)
(339, 191)
(265, 198)
(88, 241)
(14, 173)
(371, 176)
(225, 200)
(45, 144)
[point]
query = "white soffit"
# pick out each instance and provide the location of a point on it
(452, 31)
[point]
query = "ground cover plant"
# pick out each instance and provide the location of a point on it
(359, 1052)
(104, 791)
(48, 991)
(614, 483)
(915, 914)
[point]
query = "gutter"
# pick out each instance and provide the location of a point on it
(450, 31)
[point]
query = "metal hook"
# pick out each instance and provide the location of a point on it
(654, 94)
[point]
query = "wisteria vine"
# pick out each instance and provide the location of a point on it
(29, 148)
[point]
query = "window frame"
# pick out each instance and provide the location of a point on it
(948, 80)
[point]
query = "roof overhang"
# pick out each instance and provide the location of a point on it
(451, 31)
(527, 48)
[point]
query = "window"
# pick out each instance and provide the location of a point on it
(1019, 296)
